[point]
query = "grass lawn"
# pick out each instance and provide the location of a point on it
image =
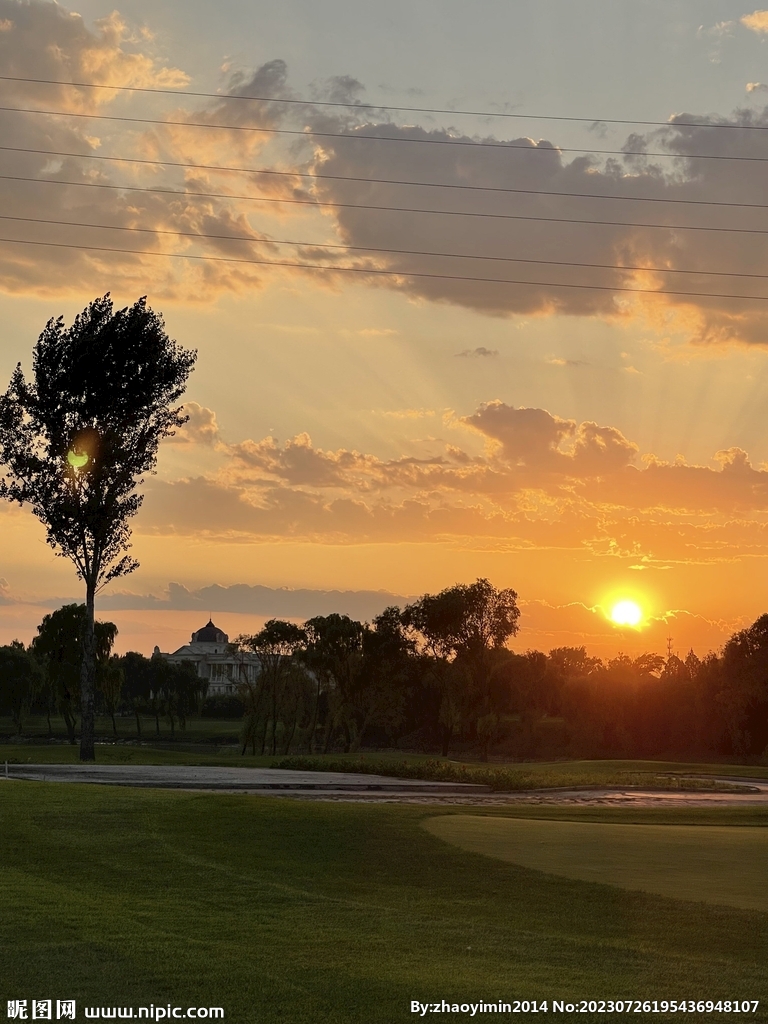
(198, 729)
(716, 864)
(292, 911)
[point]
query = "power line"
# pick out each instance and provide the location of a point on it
(387, 209)
(386, 273)
(310, 133)
(370, 248)
(356, 105)
(379, 181)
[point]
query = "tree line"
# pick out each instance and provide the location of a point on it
(436, 676)
(45, 677)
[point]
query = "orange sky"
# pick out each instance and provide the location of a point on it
(403, 431)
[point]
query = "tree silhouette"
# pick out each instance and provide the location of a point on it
(20, 678)
(58, 647)
(274, 645)
(77, 438)
(462, 627)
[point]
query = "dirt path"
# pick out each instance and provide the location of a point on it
(359, 787)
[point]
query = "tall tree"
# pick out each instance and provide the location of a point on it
(743, 697)
(386, 677)
(20, 677)
(334, 653)
(274, 645)
(137, 688)
(59, 646)
(464, 625)
(111, 680)
(77, 439)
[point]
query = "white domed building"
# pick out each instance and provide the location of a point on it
(217, 663)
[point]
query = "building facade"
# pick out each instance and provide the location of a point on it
(221, 666)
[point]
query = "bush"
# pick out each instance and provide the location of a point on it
(222, 707)
(502, 779)
(508, 780)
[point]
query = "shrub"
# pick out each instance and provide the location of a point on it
(222, 707)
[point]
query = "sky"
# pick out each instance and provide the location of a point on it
(543, 363)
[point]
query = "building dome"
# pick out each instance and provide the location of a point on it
(210, 634)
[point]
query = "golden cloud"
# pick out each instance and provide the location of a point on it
(543, 483)
(757, 21)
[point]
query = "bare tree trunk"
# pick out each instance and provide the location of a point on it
(313, 722)
(69, 720)
(329, 728)
(347, 735)
(274, 721)
(88, 679)
(289, 741)
(357, 741)
(138, 724)
(447, 731)
(114, 725)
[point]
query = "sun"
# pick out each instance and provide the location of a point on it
(626, 613)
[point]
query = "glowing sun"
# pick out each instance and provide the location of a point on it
(626, 613)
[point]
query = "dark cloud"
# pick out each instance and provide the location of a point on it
(257, 600)
(655, 234)
(478, 353)
(496, 179)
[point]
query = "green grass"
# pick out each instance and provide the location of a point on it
(198, 730)
(716, 864)
(297, 912)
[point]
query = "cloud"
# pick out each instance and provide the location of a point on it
(546, 445)
(756, 22)
(756, 87)
(718, 32)
(647, 213)
(499, 246)
(257, 600)
(44, 40)
(558, 361)
(524, 478)
(200, 428)
(478, 353)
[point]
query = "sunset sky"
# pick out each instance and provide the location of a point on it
(584, 434)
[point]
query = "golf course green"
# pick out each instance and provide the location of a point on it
(709, 863)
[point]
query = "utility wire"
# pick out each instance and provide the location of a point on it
(308, 133)
(356, 105)
(388, 273)
(370, 248)
(379, 181)
(387, 209)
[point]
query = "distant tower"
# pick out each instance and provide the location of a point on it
(669, 647)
